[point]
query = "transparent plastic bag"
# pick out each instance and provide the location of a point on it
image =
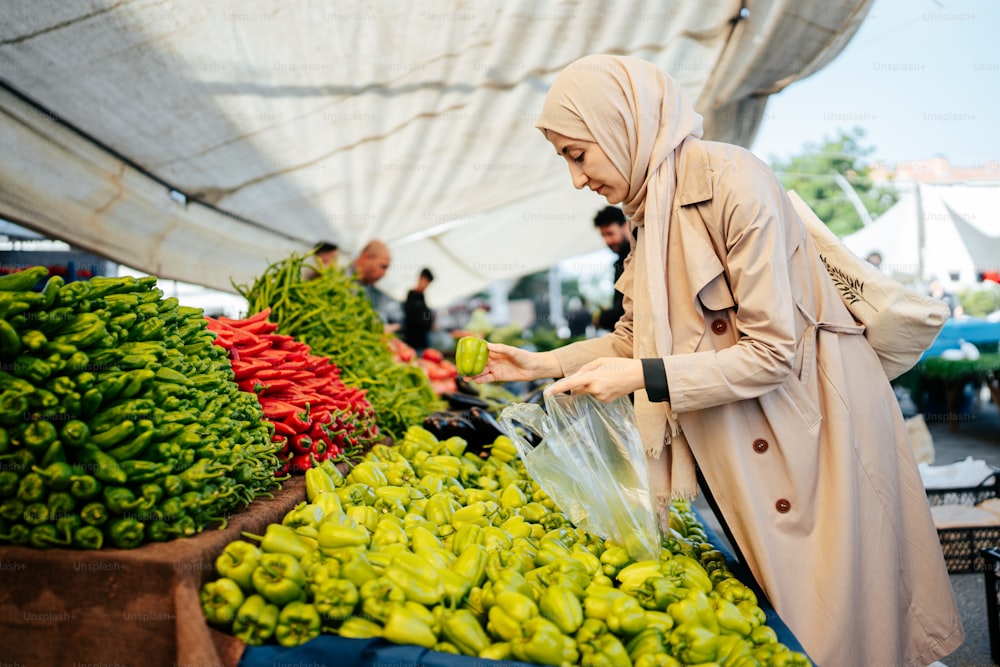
(591, 462)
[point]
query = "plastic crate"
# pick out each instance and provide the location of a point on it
(970, 495)
(963, 546)
(991, 557)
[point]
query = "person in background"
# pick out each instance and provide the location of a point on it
(369, 267)
(418, 319)
(578, 318)
(752, 381)
(937, 291)
(325, 254)
(875, 259)
(610, 221)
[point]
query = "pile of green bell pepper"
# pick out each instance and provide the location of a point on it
(480, 569)
(119, 420)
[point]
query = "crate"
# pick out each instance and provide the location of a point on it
(970, 495)
(991, 558)
(963, 547)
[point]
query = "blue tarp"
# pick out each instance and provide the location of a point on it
(976, 330)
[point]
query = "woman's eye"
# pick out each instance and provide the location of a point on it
(578, 157)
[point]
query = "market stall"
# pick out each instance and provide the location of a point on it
(175, 488)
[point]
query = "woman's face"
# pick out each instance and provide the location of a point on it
(590, 167)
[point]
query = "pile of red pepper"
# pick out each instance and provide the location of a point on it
(315, 415)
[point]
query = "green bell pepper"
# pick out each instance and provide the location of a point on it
(220, 601)
(298, 622)
(335, 599)
(255, 621)
(280, 578)
(599, 646)
(471, 356)
(692, 643)
(238, 561)
(560, 605)
(463, 630)
(417, 578)
(541, 642)
(378, 596)
(509, 613)
(279, 539)
(405, 625)
(359, 628)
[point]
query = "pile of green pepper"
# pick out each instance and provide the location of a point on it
(119, 420)
(334, 317)
(426, 544)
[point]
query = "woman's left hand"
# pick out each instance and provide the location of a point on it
(606, 379)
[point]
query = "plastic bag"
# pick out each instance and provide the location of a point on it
(591, 462)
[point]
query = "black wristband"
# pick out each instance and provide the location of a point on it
(655, 376)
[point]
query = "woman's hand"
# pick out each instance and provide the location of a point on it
(606, 379)
(512, 364)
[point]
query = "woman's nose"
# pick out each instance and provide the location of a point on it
(579, 178)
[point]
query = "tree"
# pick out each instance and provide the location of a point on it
(834, 179)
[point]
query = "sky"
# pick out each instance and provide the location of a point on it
(921, 77)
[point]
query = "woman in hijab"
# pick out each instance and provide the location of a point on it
(748, 369)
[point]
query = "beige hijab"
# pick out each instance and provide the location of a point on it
(639, 117)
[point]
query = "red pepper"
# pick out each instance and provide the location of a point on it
(301, 443)
(430, 354)
(281, 428)
(253, 348)
(259, 327)
(301, 462)
(248, 368)
(274, 386)
(275, 409)
(259, 316)
(238, 336)
(224, 341)
(298, 421)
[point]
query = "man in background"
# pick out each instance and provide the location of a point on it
(418, 319)
(610, 222)
(369, 267)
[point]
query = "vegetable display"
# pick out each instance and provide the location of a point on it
(120, 420)
(423, 543)
(332, 315)
(315, 415)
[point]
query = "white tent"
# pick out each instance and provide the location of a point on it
(944, 231)
(201, 140)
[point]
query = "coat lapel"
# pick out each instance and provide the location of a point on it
(692, 263)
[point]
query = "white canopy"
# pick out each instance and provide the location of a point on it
(943, 231)
(201, 140)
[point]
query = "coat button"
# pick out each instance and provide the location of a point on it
(782, 505)
(719, 326)
(760, 445)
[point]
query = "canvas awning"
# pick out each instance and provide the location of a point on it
(200, 141)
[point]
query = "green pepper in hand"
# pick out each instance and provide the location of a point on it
(471, 355)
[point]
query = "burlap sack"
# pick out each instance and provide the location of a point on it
(899, 323)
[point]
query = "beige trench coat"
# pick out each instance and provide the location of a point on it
(791, 420)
